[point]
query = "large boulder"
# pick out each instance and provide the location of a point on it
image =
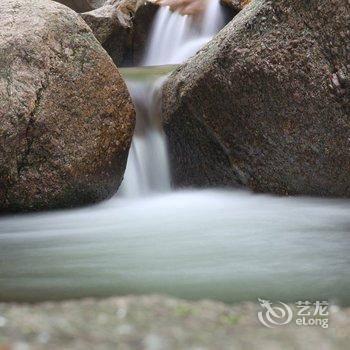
(111, 29)
(122, 27)
(267, 103)
(66, 118)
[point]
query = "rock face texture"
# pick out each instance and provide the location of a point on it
(111, 29)
(122, 28)
(267, 103)
(66, 119)
(142, 24)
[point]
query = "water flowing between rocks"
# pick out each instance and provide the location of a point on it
(227, 245)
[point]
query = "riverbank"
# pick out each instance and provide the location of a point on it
(158, 322)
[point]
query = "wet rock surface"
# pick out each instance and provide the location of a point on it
(122, 27)
(142, 25)
(111, 29)
(156, 322)
(66, 118)
(266, 104)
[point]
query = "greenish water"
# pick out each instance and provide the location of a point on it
(146, 73)
(230, 246)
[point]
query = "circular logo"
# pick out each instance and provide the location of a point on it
(273, 316)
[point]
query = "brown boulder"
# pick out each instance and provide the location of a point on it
(267, 103)
(122, 28)
(111, 29)
(66, 119)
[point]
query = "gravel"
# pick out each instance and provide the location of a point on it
(159, 322)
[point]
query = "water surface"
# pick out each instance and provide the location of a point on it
(230, 246)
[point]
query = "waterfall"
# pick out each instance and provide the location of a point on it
(227, 245)
(147, 169)
(173, 39)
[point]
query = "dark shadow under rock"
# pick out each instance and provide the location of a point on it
(122, 29)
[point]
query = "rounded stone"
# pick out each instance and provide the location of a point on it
(66, 117)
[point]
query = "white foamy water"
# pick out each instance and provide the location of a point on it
(147, 170)
(230, 246)
(174, 38)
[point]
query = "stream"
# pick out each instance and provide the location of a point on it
(227, 245)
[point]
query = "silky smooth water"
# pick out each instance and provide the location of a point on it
(147, 169)
(227, 245)
(173, 39)
(230, 246)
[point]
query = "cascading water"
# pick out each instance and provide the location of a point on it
(147, 169)
(228, 245)
(174, 38)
